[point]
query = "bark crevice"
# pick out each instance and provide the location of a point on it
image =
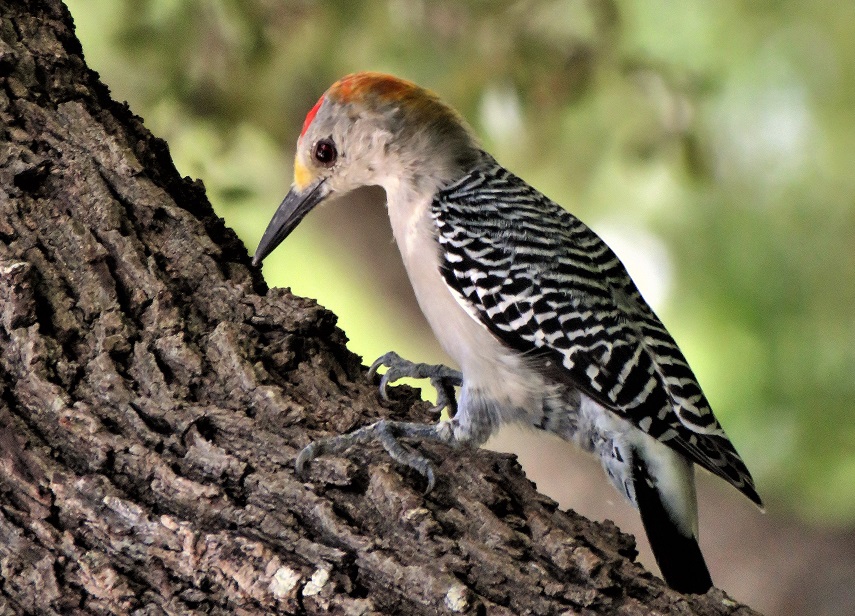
(154, 394)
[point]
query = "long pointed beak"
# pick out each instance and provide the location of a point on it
(291, 211)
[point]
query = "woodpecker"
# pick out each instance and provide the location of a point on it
(541, 317)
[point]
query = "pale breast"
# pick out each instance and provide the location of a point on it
(487, 365)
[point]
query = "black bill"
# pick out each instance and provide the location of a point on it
(291, 211)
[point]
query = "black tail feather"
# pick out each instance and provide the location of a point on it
(678, 556)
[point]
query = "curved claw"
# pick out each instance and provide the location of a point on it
(443, 378)
(387, 433)
(384, 360)
(307, 454)
(431, 479)
(388, 361)
(384, 386)
(445, 397)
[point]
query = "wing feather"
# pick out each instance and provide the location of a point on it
(545, 284)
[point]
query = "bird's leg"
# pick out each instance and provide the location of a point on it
(388, 433)
(443, 378)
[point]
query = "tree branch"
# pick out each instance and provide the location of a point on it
(154, 393)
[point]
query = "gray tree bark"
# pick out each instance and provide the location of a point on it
(154, 393)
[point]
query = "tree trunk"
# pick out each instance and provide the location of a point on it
(154, 393)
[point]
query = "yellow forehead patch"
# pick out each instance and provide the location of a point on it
(302, 175)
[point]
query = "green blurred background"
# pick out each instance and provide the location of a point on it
(710, 143)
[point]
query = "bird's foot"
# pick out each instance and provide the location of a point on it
(443, 378)
(387, 433)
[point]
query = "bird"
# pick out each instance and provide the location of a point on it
(545, 325)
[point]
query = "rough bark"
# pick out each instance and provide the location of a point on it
(154, 393)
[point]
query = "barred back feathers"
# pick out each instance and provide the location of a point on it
(544, 283)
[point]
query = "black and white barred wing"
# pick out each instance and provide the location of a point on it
(545, 284)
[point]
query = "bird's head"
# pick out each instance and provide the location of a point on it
(371, 129)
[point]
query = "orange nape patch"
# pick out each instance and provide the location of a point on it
(311, 116)
(358, 86)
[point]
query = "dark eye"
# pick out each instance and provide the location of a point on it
(325, 152)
